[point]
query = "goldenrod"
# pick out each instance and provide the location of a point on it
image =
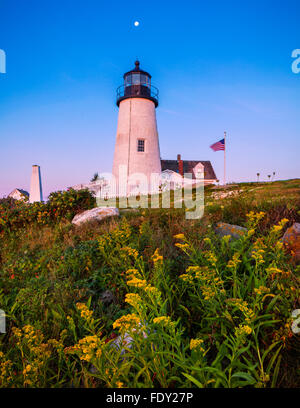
(138, 283)
(133, 299)
(243, 330)
(197, 344)
(156, 257)
(179, 236)
(127, 322)
(164, 321)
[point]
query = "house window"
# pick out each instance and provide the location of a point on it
(141, 145)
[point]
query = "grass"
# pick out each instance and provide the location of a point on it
(192, 309)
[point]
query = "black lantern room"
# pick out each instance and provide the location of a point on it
(137, 84)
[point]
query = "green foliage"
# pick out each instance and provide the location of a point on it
(187, 308)
(16, 214)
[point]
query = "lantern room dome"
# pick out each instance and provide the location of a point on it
(137, 84)
(136, 70)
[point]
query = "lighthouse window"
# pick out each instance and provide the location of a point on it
(141, 145)
(145, 80)
(136, 79)
(128, 80)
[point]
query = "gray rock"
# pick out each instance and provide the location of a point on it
(93, 369)
(125, 341)
(224, 194)
(98, 214)
(122, 342)
(291, 240)
(235, 231)
(107, 297)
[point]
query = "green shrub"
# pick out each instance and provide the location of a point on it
(16, 214)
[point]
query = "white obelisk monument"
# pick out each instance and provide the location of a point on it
(137, 155)
(36, 193)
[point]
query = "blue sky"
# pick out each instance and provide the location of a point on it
(222, 65)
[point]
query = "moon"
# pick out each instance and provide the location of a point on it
(136, 23)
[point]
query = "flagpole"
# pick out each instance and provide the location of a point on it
(224, 158)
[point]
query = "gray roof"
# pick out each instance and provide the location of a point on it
(188, 166)
(25, 193)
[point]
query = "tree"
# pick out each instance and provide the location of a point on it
(273, 175)
(258, 174)
(95, 177)
(269, 175)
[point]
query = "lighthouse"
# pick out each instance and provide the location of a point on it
(36, 193)
(137, 160)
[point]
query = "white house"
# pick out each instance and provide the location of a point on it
(19, 194)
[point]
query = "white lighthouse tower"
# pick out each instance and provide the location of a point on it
(36, 193)
(137, 156)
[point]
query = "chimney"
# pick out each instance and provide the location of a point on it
(36, 193)
(180, 165)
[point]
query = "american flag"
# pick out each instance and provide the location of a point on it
(220, 145)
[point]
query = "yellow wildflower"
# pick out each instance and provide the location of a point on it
(156, 257)
(259, 244)
(133, 299)
(186, 277)
(254, 218)
(130, 252)
(258, 256)
(193, 269)
(182, 246)
(244, 308)
(243, 330)
(84, 311)
(233, 263)
(278, 228)
(261, 290)
(27, 369)
(164, 321)
(152, 289)
(179, 236)
(226, 238)
(137, 283)
(211, 258)
(127, 322)
(208, 292)
(132, 273)
(86, 348)
(197, 344)
(277, 273)
(207, 240)
(251, 232)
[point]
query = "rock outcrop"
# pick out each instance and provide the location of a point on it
(98, 214)
(291, 240)
(219, 195)
(235, 231)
